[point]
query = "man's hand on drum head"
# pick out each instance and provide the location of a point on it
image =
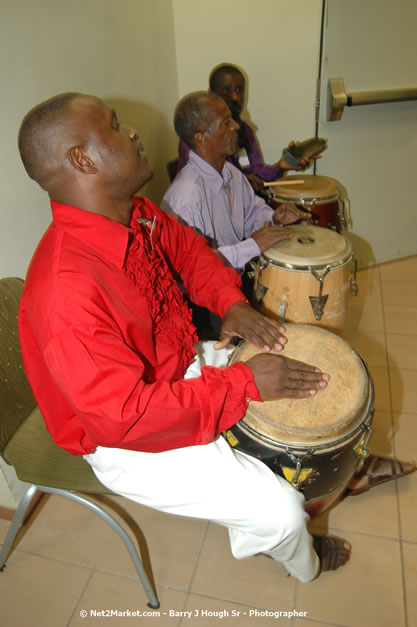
(268, 235)
(288, 213)
(240, 320)
(277, 377)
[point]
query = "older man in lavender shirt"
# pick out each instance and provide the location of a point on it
(212, 195)
(228, 82)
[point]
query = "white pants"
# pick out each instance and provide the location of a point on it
(262, 511)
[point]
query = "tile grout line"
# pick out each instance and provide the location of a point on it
(197, 561)
(387, 360)
(397, 497)
(294, 601)
(93, 570)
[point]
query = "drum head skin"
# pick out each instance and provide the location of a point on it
(319, 187)
(311, 246)
(329, 414)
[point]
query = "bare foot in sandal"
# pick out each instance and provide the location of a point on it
(333, 552)
(378, 470)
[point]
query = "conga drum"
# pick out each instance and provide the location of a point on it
(317, 194)
(316, 443)
(308, 278)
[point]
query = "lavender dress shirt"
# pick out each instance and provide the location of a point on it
(221, 207)
(248, 141)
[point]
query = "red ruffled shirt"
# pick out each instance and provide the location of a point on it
(106, 336)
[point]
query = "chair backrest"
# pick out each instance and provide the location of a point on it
(25, 443)
(16, 398)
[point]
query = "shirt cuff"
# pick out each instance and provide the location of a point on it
(240, 376)
(251, 248)
(242, 390)
(234, 295)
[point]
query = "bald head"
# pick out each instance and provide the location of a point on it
(74, 146)
(193, 114)
(41, 141)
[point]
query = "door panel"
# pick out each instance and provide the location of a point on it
(373, 148)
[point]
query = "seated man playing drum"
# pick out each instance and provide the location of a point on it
(228, 82)
(109, 348)
(213, 196)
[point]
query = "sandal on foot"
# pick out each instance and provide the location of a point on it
(379, 470)
(333, 552)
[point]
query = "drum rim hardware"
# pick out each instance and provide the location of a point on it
(318, 303)
(361, 449)
(338, 263)
(296, 480)
(343, 256)
(330, 194)
(354, 287)
(360, 425)
(301, 200)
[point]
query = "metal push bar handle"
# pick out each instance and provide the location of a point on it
(338, 99)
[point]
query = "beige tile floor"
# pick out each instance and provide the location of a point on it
(69, 561)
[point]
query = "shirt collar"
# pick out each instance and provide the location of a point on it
(109, 239)
(207, 171)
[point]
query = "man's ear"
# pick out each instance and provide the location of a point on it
(78, 157)
(199, 138)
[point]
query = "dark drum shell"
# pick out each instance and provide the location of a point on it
(318, 194)
(318, 443)
(321, 469)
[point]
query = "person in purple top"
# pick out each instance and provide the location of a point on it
(228, 82)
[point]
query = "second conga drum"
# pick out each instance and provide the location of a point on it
(316, 443)
(308, 278)
(317, 194)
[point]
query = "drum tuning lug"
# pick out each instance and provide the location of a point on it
(354, 288)
(295, 481)
(307, 206)
(342, 215)
(262, 264)
(317, 305)
(260, 291)
(318, 302)
(361, 449)
(281, 311)
(296, 476)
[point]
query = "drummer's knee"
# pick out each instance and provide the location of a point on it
(293, 518)
(283, 516)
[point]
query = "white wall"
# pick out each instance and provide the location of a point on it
(123, 52)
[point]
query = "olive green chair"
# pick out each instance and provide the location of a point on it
(26, 445)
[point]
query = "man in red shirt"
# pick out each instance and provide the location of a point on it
(108, 343)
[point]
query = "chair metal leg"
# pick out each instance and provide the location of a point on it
(24, 503)
(81, 500)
